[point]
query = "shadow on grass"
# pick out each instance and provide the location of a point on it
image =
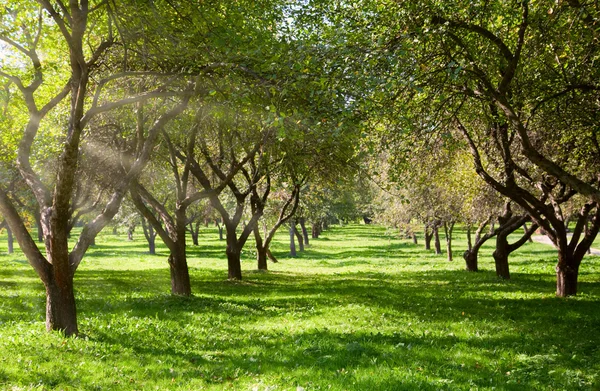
(228, 338)
(441, 329)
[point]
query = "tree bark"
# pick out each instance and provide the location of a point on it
(448, 228)
(261, 251)
(428, 236)
(234, 262)
(508, 225)
(316, 229)
(10, 240)
(566, 277)
(501, 254)
(61, 312)
(436, 235)
(152, 242)
(304, 230)
(194, 232)
(150, 236)
(220, 227)
(180, 277)
(471, 260)
(292, 242)
(414, 238)
(299, 237)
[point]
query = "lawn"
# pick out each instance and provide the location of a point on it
(361, 309)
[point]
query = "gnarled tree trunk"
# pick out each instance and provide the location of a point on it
(261, 251)
(472, 253)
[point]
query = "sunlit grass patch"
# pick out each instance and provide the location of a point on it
(361, 309)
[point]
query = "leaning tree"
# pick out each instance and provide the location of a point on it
(69, 83)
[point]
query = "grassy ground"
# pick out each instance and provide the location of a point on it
(359, 310)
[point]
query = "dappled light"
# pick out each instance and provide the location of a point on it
(360, 310)
(299, 195)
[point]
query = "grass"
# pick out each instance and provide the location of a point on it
(359, 310)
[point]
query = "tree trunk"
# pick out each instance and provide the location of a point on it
(316, 229)
(150, 236)
(436, 235)
(292, 242)
(470, 257)
(428, 236)
(114, 231)
(304, 230)
(567, 272)
(472, 253)
(180, 276)
(152, 242)
(501, 254)
(61, 312)
(234, 262)
(566, 282)
(300, 238)
(220, 232)
(194, 232)
(10, 240)
(414, 238)
(195, 237)
(448, 233)
(261, 252)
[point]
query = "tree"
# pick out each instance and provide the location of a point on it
(75, 38)
(502, 88)
(287, 209)
(175, 223)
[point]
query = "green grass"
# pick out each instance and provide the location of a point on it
(359, 310)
